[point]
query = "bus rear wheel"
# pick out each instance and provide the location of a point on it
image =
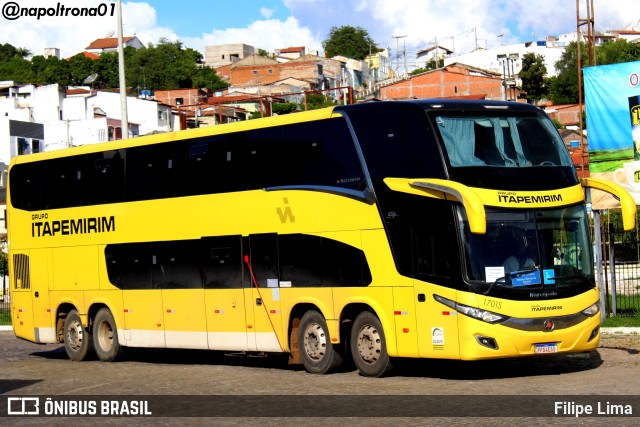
(368, 346)
(106, 336)
(314, 343)
(77, 339)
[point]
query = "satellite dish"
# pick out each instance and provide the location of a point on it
(90, 79)
(109, 34)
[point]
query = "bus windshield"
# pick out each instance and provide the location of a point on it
(501, 140)
(528, 251)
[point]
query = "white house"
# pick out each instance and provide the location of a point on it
(45, 118)
(507, 59)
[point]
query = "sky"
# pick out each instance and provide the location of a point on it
(404, 26)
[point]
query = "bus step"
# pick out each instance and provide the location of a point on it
(247, 354)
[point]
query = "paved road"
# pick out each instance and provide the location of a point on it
(28, 369)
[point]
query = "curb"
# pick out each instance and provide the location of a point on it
(620, 331)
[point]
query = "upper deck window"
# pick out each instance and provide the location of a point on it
(501, 140)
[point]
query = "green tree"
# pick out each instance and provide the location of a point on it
(316, 101)
(7, 51)
(533, 74)
(16, 68)
(50, 70)
(563, 88)
(168, 65)
(352, 42)
(81, 67)
(284, 107)
(108, 76)
(614, 52)
(430, 65)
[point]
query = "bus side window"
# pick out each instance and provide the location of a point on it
(344, 265)
(322, 153)
(255, 160)
(148, 171)
(301, 259)
(222, 262)
(129, 265)
(105, 183)
(199, 166)
(175, 265)
(25, 187)
(263, 257)
(63, 188)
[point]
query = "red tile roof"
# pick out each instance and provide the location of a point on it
(292, 49)
(109, 43)
(87, 55)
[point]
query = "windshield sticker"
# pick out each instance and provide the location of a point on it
(525, 279)
(549, 276)
(493, 273)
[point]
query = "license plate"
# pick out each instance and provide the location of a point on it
(546, 348)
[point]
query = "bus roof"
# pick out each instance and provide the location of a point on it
(325, 113)
(244, 125)
(450, 104)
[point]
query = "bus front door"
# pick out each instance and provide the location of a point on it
(265, 320)
(438, 331)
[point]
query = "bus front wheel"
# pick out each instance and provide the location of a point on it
(105, 336)
(368, 346)
(77, 339)
(316, 351)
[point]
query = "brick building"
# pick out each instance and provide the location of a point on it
(226, 54)
(258, 71)
(451, 81)
(567, 114)
(181, 97)
(254, 70)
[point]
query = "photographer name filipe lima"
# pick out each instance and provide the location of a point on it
(601, 408)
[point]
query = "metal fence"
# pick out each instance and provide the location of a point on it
(5, 310)
(622, 276)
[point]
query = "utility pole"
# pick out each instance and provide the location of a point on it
(475, 36)
(405, 53)
(123, 84)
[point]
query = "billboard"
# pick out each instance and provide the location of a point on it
(612, 98)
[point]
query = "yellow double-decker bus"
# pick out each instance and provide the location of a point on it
(423, 229)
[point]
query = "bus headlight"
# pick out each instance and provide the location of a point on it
(592, 310)
(476, 313)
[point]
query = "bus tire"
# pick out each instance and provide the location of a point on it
(77, 338)
(368, 346)
(105, 336)
(314, 343)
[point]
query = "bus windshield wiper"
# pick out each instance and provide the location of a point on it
(509, 276)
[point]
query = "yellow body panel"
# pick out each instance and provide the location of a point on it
(513, 342)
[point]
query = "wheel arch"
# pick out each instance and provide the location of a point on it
(296, 313)
(352, 310)
(61, 315)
